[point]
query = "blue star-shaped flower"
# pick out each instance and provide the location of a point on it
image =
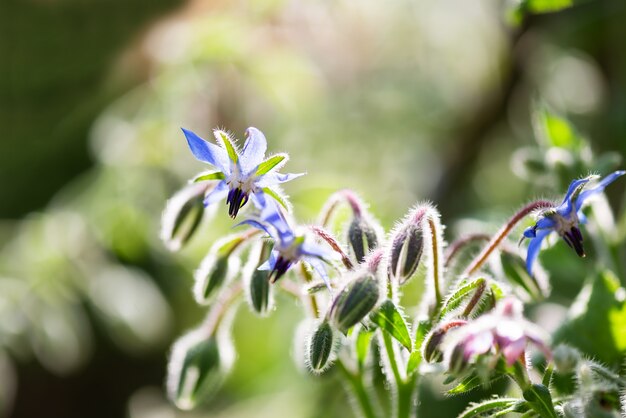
(565, 218)
(290, 246)
(243, 174)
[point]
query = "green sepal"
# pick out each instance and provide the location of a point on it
(215, 175)
(462, 293)
(269, 164)
(228, 144)
(282, 200)
(391, 321)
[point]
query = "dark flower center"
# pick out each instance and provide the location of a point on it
(280, 268)
(237, 198)
(574, 239)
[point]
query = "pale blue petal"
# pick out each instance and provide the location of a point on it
(257, 225)
(207, 152)
(599, 188)
(253, 151)
(271, 178)
(533, 248)
(218, 193)
(320, 268)
(258, 199)
(312, 249)
(273, 216)
(269, 263)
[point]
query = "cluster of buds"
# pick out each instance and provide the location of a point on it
(478, 324)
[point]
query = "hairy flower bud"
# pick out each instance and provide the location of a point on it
(320, 348)
(182, 215)
(432, 343)
(362, 237)
(405, 252)
(216, 268)
(260, 291)
(355, 301)
(258, 288)
(565, 358)
(196, 369)
(457, 360)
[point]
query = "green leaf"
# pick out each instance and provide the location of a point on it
(472, 381)
(515, 270)
(489, 405)
(596, 321)
(278, 197)
(546, 6)
(540, 400)
(216, 175)
(551, 129)
(415, 359)
(228, 144)
(462, 293)
(269, 164)
(363, 340)
(390, 320)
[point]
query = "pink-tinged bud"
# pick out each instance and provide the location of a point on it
(432, 343)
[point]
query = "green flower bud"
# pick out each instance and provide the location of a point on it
(320, 348)
(182, 216)
(213, 271)
(259, 288)
(457, 363)
(355, 301)
(362, 237)
(196, 369)
(405, 252)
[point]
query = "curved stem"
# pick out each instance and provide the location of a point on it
(326, 236)
(333, 201)
(360, 393)
(459, 244)
(218, 310)
(480, 259)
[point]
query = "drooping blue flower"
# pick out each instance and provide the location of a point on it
(243, 174)
(565, 218)
(290, 244)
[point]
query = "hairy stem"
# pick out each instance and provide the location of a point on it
(480, 259)
(220, 307)
(359, 392)
(454, 248)
(334, 244)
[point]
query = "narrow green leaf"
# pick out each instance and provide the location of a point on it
(390, 320)
(547, 375)
(363, 340)
(457, 298)
(269, 164)
(228, 144)
(540, 400)
(479, 409)
(470, 382)
(415, 359)
(216, 175)
(278, 197)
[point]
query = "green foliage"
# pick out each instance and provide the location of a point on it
(390, 320)
(596, 321)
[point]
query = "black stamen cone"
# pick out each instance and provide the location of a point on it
(280, 268)
(574, 239)
(236, 200)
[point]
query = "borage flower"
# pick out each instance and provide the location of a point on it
(290, 245)
(565, 218)
(244, 174)
(502, 331)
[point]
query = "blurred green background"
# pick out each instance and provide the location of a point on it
(403, 101)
